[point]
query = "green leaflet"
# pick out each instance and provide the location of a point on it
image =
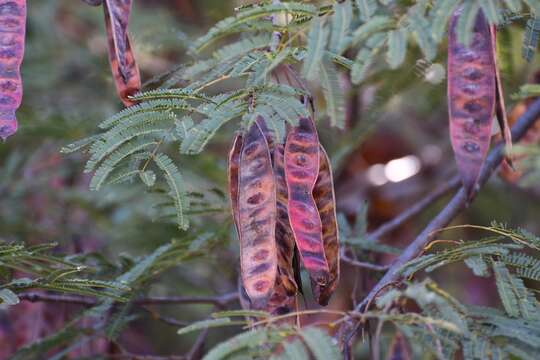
(333, 95)
(250, 339)
(250, 15)
(440, 16)
(516, 298)
(316, 44)
(320, 344)
(366, 56)
(341, 22)
(397, 48)
(374, 25)
(465, 23)
(366, 8)
(210, 323)
(176, 186)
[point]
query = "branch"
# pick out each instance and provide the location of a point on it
(219, 301)
(458, 202)
(361, 264)
(414, 210)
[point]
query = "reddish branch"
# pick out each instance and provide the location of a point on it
(456, 204)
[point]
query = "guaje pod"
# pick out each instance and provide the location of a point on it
(257, 215)
(233, 169)
(284, 235)
(326, 204)
(301, 171)
(12, 35)
(93, 2)
(124, 68)
(471, 98)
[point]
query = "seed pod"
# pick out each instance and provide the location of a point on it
(399, 349)
(326, 204)
(124, 68)
(471, 98)
(284, 235)
(301, 171)
(12, 35)
(500, 107)
(257, 215)
(234, 166)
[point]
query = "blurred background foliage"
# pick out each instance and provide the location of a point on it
(68, 90)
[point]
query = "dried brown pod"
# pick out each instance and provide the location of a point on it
(326, 204)
(257, 217)
(12, 39)
(124, 68)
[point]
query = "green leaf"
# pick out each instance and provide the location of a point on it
(491, 11)
(397, 48)
(366, 8)
(176, 186)
(250, 339)
(293, 350)
(148, 177)
(441, 14)
(210, 323)
(477, 265)
(333, 95)
(316, 43)
(530, 39)
(374, 25)
(320, 344)
(465, 23)
(341, 22)
(8, 297)
(366, 57)
(246, 313)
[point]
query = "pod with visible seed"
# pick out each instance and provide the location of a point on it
(301, 171)
(284, 235)
(124, 68)
(326, 204)
(12, 36)
(472, 89)
(257, 217)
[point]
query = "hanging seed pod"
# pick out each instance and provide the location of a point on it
(471, 98)
(500, 107)
(326, 204)
(257, 218)
(12, 36)
(284, 235)
(124, 68)
(301, 171)
(399, 349)
(233, 169)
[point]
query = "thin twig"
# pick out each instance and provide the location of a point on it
(414, 210)
(219, 301)
(458, 203)
(362, 264)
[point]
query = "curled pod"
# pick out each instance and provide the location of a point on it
(326, 204)
(471, 97)
(12, 36)
(124, 68)
(257, 217)
(233, 169)
(284, 235)
(301, 172)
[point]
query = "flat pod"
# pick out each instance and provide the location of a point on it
(284, 234)
(233, 172)
(257, 215)
(301, 171)
(12, 35)
(326, 204)
(471, 98)
(124, 68)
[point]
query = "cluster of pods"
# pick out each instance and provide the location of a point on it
(283, 205)
(475, 96)
(12, 39)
